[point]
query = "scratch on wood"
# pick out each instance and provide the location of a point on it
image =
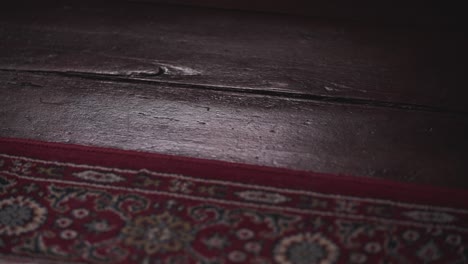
(204, 107)
(178, 70)
(167, 118)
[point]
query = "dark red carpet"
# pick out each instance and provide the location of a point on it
(70, 204)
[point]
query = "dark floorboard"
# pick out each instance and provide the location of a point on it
(410, 67)
(414, 146)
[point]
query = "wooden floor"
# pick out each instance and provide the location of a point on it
(288, 91)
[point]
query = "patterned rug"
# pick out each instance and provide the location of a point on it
(74, 204)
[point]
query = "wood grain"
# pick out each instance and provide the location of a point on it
(414, 146)
(409, 67)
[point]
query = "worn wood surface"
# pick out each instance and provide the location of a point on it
(409, 67)
(275, 90)
(413, 146)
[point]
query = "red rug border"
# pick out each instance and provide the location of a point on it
(358, 186)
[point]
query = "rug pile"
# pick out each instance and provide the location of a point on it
(76, 204)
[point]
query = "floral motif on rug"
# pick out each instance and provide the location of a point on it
(75, 212)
